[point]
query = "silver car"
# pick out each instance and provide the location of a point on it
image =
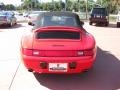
(7, 18)
(33, 16)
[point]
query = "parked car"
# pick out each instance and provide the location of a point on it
(7, 18)
(118, 19)
(25, 14)
(99, 16)
(17, 13)
(32, 16)
(58, 43)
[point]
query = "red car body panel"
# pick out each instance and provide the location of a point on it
(58, 51)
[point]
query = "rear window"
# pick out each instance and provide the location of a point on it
(57, 35)
(58, 21)
(6, 13)
(99, 11)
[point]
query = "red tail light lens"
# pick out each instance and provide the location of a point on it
(31, 52)
(28, 52)
(88, 52)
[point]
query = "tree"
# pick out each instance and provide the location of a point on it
(9, 7)
(112, 5)
(2, 6)
(30, 4)
(117, 4)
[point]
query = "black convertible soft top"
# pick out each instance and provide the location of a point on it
(47, 14)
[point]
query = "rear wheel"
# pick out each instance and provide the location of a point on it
(118, 24)
(10, 24)
(29, 23)
(106, 24)
(15, 22)
(90, 23)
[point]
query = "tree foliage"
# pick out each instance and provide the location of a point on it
(112, 5)
(69, 5)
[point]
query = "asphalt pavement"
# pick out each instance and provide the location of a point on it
(103, 76)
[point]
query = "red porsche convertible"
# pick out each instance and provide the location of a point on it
(58, 44)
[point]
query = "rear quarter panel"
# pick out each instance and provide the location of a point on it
(27, 41)
(88, 41)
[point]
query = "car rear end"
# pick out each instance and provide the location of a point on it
(58, 50)
(99, 16)
(32, 17)
(4, 19)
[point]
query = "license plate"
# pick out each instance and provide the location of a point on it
(58, 67)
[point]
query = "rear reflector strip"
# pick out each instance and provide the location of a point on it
(57, 53)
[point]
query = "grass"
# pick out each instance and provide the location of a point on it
(112, 18)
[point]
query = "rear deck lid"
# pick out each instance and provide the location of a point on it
(58, 39)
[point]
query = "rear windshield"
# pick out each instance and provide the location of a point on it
(58, 21)
(99, 11)
(57, 35)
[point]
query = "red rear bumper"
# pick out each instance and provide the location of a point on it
(82, 63)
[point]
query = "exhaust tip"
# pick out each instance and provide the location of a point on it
(30, 70)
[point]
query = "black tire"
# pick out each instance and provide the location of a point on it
(106, 24)
(15, 23)
(118, 24)
(10, 24)
(90, 23)
(29, 23)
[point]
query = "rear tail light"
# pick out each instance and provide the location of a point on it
(85, 53)
(28, 52)
(80, 53)
(31, 52)
(88, 52)
(36, 53)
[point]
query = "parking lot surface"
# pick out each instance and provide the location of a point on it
(103, 76)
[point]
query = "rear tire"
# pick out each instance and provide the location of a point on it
(106, 24)
(29, 23)
(90, 23)
(15, 23)
(10, 24)
(118, 24)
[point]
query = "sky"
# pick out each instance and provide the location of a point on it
(14, 2)
(18, 2)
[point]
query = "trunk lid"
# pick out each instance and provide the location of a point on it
(55, 42)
